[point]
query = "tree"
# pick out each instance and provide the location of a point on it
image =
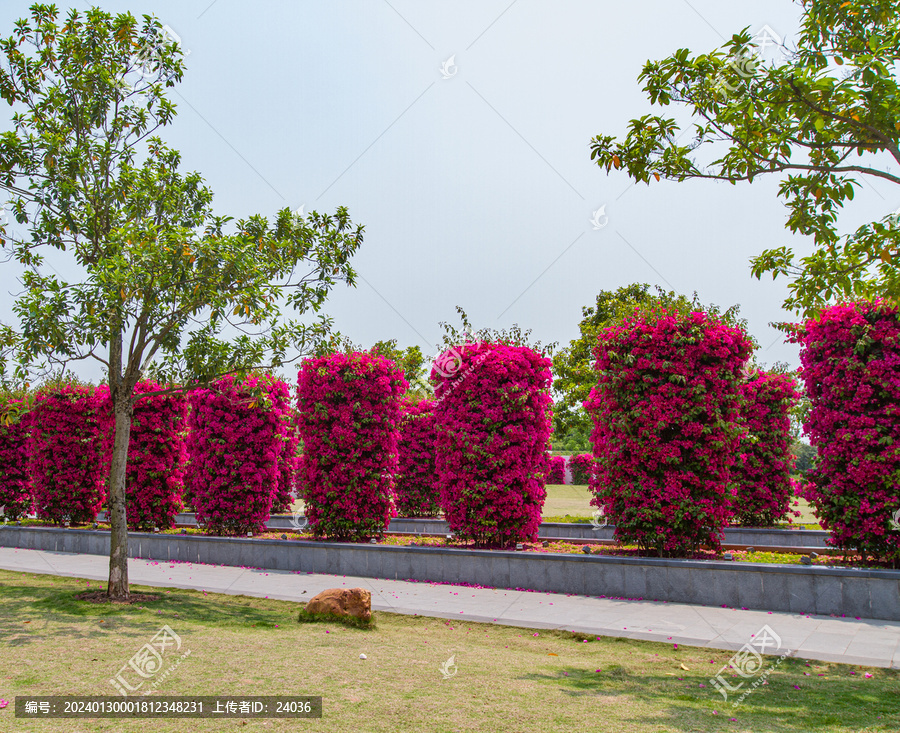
(825, 120)
(569, 435)
(806, 456)
(573, 370)
(514, 336)
(573, 366)
(153, 267)
(410, 359)
(799, 409)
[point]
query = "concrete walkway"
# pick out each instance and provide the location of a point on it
(847, 640)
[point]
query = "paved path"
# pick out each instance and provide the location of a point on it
(847, 640)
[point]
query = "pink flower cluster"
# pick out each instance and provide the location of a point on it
(65, 453)
(763, 473)
(582, 466)
(154, 479)
(493, 418)
(289, 443)
(348, 416)
(15, 478)
(850, 364)
(666, 409)
(235, 438)
(417, 487)
(557, 473)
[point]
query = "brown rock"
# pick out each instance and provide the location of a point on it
(343, 602)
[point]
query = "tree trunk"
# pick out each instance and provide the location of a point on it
(120, 395)
(118, 550)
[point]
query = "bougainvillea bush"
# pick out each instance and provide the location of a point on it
(348, 416)
(762, 475)
(289, 442)
(850, 365)
(582, 466)
(417, 492)
(666, 409)
(65, 453)
(154, 478)
(235, 438)
(557, 473)
(15, 479)
(288, 460)
(493, 417)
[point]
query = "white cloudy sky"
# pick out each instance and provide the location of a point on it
(478, 189)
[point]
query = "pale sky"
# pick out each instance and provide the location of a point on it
(476, 189)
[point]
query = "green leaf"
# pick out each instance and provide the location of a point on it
(798, 121)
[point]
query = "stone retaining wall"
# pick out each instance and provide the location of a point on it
(792, 588)
(800, 538)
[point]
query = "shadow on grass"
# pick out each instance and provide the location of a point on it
(791, 702)
(304, 617)
(52, 597)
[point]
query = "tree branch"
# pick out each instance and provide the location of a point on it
(874, 131)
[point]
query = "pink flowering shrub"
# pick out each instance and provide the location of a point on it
(65, 454)
(288, 460)
(762, 473)
(582, 466)
(850, 364)
(557, 473)
(417, 492)
(666, 410)
(289, 442)
(493, 415)
(154, 479)
(348, 415)
(234, 442)
(15, 478)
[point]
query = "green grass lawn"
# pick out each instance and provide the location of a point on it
(506, 679)
(575, 501)
(561, 500)
(569, 499)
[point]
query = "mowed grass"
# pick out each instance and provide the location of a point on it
(575, 501)
(561, 500)
(568, 499)
(503, 679)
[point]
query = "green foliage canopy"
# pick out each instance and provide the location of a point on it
(824, 121)
(153, 265)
